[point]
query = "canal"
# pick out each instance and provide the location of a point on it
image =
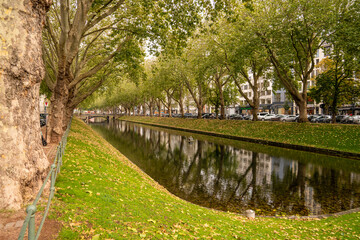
(233, 175)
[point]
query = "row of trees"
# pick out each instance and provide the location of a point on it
(99, 46)
(276, 40)
(83, 44)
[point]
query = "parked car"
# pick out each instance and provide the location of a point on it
(339, 118)
(323, 119)
(261, 115)
(268, 117)
(208, 115)
(356, 119)
(42, 122)
(315, 118)
(43, 117)
(311, 117)
(188, 115)
(248, 117)
(351, 119)
(277, 117)
(236, 117)
(289, 118)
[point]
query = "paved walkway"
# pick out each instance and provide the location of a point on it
(9, 225)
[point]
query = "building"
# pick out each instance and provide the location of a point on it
(279, 102)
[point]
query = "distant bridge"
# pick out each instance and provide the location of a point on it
(106, 116)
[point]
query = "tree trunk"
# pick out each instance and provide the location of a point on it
(199, 107)
(60, 109)
(255, 102)
(182, 110)
(159, 108)
(23, 163)
(222, 103)
(303, 111)
(151, 109)
(255, 109)
(143, 109)
(334, 104)
(169, 107)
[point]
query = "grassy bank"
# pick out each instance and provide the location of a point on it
(101, 195)
(328, 136)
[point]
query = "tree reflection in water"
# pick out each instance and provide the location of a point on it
(231, 178)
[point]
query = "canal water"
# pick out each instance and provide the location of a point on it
(234, 176)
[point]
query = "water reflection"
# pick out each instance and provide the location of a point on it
(235, 178)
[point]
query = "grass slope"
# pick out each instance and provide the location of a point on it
(328, 136)
(101, 195)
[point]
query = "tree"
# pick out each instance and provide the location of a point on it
(179, 93)
(194, 74)
(165, 81)
(334, 84)
(348, 28)
(217, 71)
(229, 96)
(246, 60)
(292, 32)
(23, 162)
(82, 40)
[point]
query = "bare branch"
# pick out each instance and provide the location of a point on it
(94, 20)
(99, 66)
(52, 35)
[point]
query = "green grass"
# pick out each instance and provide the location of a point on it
(328, 136)
(101, 195)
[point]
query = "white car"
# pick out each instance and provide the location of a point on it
(261, 115)
(356, 119)
(268, 117)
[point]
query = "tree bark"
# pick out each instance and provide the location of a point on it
(151, 108)
(303, 111)
(255, 106)
(222, 104)
(158, 104)
(143, 109)
(200, 108)
(58, 108)
(23, 163)
(182, 109)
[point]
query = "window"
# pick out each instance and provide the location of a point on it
(327, 51)
(268, 92)
(317, 61)
(268, 101)
(278, 97)
(317, 53)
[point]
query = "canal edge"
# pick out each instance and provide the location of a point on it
(337, 153)
(157, 185)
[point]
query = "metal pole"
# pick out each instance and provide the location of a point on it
(31, 230)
